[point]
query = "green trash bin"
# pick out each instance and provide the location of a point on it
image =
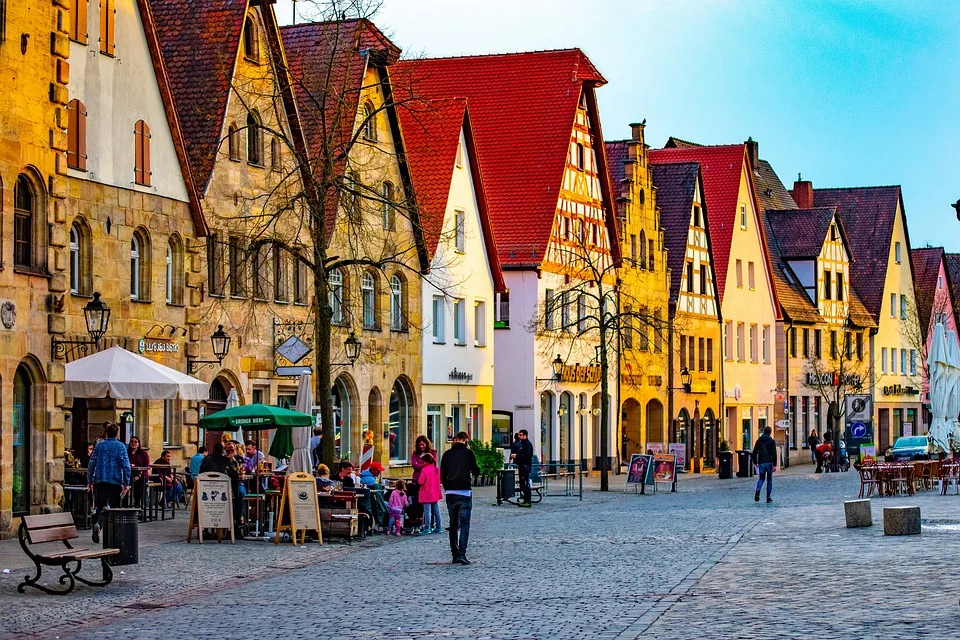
(120, 532)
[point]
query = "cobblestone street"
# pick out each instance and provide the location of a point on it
(706, 562)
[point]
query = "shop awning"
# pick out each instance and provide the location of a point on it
(121, 374)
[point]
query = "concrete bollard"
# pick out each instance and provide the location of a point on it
(858, 513)
(901, 521)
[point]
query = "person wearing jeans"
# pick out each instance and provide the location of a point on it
(457, 466)
(765, 457)
(522, 456)
(108, 476)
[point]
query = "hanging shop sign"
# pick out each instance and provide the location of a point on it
(833, 379)
(589, 374)
(152, 345)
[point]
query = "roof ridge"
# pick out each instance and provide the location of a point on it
(878, 186)
(501, 54)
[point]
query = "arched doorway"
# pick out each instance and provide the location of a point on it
(401, 401)
(342, 416)
(546, 426)
(654, 422)
(632, 429)
(565, 413)
(684, 431)
(709, 439)
(22, 434)
(596, 412)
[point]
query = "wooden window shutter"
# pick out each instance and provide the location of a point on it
(73, 134)
(138, 152)
(78, 21)
(107, 26)
(81, 136)
(145, 149)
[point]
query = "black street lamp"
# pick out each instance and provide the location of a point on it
(220, 342)
(557, 370)
(686, 379)
(96, 315)
(352, 347)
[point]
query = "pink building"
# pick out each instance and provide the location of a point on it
(933, 288)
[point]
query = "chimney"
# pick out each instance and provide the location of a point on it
(753, 153)
(803, 193)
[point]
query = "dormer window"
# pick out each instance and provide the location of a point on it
(833, 233)
(251, 40)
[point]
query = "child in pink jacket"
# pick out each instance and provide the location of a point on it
(396, 504)
(430, 495)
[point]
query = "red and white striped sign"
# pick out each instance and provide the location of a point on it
(366, 457)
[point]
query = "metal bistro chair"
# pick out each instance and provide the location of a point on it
(869, 480)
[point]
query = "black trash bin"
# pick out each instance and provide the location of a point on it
(744, 464)
(120, 532)
(725, 465)
(506, 485)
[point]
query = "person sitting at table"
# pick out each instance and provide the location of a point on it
(196, 460)
(324, 483)
(138, 458)
(163, 467)
(346, 476)
(253, 458)
(223, 460)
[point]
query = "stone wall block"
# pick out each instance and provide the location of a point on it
(63, 71)
(194, 315)
(60, 164)
(193, 350)
(58, 139)
(59, 260)
(58, 236)
(57, 324)
(56, 371)
(58, 93)
(59, 398)
(59, 211)
(58, 187)
(58, 282)
(56, 445)
(60, 47)
(191, 416)
(54, 468)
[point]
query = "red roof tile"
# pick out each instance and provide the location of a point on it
(801, 232)
(868, 215)
(199, 41)
(721, 168)
(431, 133)
(523, 107)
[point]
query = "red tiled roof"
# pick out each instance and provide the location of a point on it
(721, 168)
(431, 133)
(199, 41)
(952, 265)
(523, 107)
(801, 232)
(868, 215)
(926, 264)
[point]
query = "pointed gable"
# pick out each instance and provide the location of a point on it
(868, 214)
(926, 264)
(523, 108)
(676, 185)
(722, 168)
(431, 131)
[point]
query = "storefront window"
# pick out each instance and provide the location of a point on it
(399, 421)
(435, 424)
(502, 429)
(341, 418)
(747, 429)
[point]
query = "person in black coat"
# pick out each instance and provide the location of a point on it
(457, 468)
(765, 457)
(521, 452)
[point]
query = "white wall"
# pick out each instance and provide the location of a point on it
(117, 92)
(464, 275)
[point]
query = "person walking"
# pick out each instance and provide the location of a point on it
(522, 456)
(765, 457)
(108, 475)
(457, 466)
(813, 440)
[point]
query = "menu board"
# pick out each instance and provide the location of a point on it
(664, 467)
(211, 505)
(637, 472)
(299, 508)
(679, 449)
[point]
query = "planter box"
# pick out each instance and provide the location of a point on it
(340, 522)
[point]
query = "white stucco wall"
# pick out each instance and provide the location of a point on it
(118, 91)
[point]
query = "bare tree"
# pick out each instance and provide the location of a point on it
(591, 309)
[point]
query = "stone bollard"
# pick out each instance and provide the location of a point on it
(901, 521)
(858, 513)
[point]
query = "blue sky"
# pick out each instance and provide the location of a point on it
(848, 93)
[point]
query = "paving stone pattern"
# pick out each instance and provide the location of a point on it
(706, 562)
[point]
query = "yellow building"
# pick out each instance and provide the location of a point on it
(694, 324)
(876, 226)
(33, 99)
(644, 290)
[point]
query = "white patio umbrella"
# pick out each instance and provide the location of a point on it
(300, 460)
(941, 381)
(123, 375)
(953, 395)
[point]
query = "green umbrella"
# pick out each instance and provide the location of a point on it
(256, 417)
(282, 445)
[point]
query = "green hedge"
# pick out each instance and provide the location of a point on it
(489, 457)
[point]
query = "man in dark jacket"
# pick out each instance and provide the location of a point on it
(456, 467)
(765, 457)
(522, 455)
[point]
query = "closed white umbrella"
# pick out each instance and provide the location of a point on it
(940, 382)
(953, 387)
(233, 400)
(123, 375)
(300, 460)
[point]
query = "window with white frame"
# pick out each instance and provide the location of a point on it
(728, 341)
(134, 268)
(883, 360)
(74, 260)
(893, 305)
(893, 361)
(480, 323)
(548, 307)
(743, 216)
(582, 312)
(903, 307)
(168, 274)
(896, 252)
(739, 266)
(368, 289)
(751, 276)
(903, 361)
(459, 223)
(765, 336)
(437, 319)
(753, 343)
(396, 304)
(387, 207)
(459, 321)
(913, 362)
(336, 297)
(741, 330)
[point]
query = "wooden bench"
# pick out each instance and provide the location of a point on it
(59, 527)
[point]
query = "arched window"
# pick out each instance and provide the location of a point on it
(141, 168)
(140, 265)
(369, 122)
(134, 268)
(397, 319)
(233, 142)
(368, 290)
(174, 271)
(387, 208)
(399, 421)
(336, 297)
(251, 40)
(275, 156)
(25, 254)
(254, 140)
(76, 135)
(74, 259)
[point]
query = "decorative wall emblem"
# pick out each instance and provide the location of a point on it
(8, 314)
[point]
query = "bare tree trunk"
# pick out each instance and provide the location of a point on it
(604, 413)
(321, 338)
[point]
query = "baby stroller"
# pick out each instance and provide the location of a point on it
(412, 518)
